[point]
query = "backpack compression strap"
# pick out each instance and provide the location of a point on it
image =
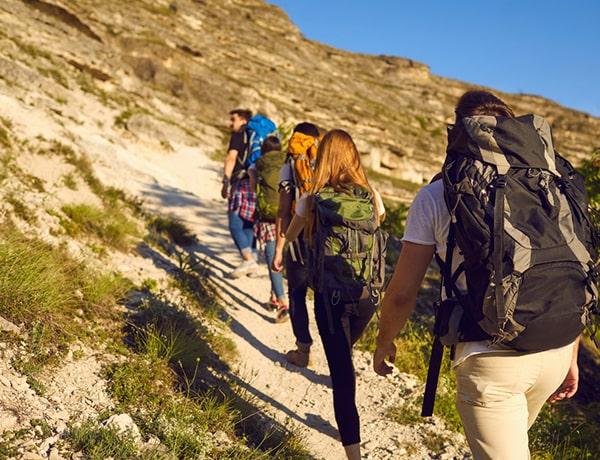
(499, 250)
(433, 373)
(437, 348)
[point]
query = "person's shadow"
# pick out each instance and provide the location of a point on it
(203, 255)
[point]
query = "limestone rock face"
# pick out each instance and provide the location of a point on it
(170, 71)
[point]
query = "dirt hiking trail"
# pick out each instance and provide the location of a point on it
(186, 185)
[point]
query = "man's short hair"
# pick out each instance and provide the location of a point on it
(242, 113)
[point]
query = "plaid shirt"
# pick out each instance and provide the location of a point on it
(265, 230)
(241, 198)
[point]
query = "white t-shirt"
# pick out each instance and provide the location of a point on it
(428, 223)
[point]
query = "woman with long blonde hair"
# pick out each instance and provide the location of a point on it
(338, 166)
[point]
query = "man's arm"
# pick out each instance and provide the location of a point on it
(399, 301)
(228, 167)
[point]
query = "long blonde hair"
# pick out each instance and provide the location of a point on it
(338, 165)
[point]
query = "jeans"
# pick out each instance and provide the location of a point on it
(348, 322)
(297, 277)
(276, 277)
(242, 232)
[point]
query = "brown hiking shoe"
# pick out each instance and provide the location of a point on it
(298, 357)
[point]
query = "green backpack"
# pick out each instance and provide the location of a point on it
(347, 258)
(268, 166)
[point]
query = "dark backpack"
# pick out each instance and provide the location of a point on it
(347, 257)
(268, 166)
(519, 216)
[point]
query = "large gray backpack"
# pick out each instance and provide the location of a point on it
(519, 216)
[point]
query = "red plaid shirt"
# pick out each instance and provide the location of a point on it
(243, 199)
(265, 230)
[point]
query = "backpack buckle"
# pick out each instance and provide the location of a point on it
(335, 297)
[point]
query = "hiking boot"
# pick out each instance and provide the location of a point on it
(283, 314)
(245, 268)
(299, 357)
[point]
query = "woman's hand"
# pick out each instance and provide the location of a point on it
(379, 357)
(277, 264)
(571, 382)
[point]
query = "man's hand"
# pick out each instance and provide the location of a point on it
(225, 190)
(379, 357)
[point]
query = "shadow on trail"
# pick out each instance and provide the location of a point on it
(170, 197)
(203, 258)
(277, 356)
(310, 420)
(211, 241)
(199, 373)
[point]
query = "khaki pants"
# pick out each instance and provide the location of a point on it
(500, 395)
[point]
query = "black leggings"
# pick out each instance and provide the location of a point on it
(339, 358)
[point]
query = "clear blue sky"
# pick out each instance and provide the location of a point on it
(549, 48)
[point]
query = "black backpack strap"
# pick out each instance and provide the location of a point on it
(433, 373)
(437, 349)
(449, 278)
(328, 312)
(498, 239)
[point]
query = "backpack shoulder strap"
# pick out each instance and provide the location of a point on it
(296, 190)
(438, 176)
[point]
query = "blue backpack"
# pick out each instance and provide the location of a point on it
(257, 130)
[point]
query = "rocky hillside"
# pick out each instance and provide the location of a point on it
(169, 71)
(124, 82)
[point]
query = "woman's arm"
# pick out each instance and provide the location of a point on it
(252, 176)
(295, 227)
(282, 221)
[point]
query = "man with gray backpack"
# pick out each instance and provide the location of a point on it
(509, 219)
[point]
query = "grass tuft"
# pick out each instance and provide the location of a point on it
(110, 226)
